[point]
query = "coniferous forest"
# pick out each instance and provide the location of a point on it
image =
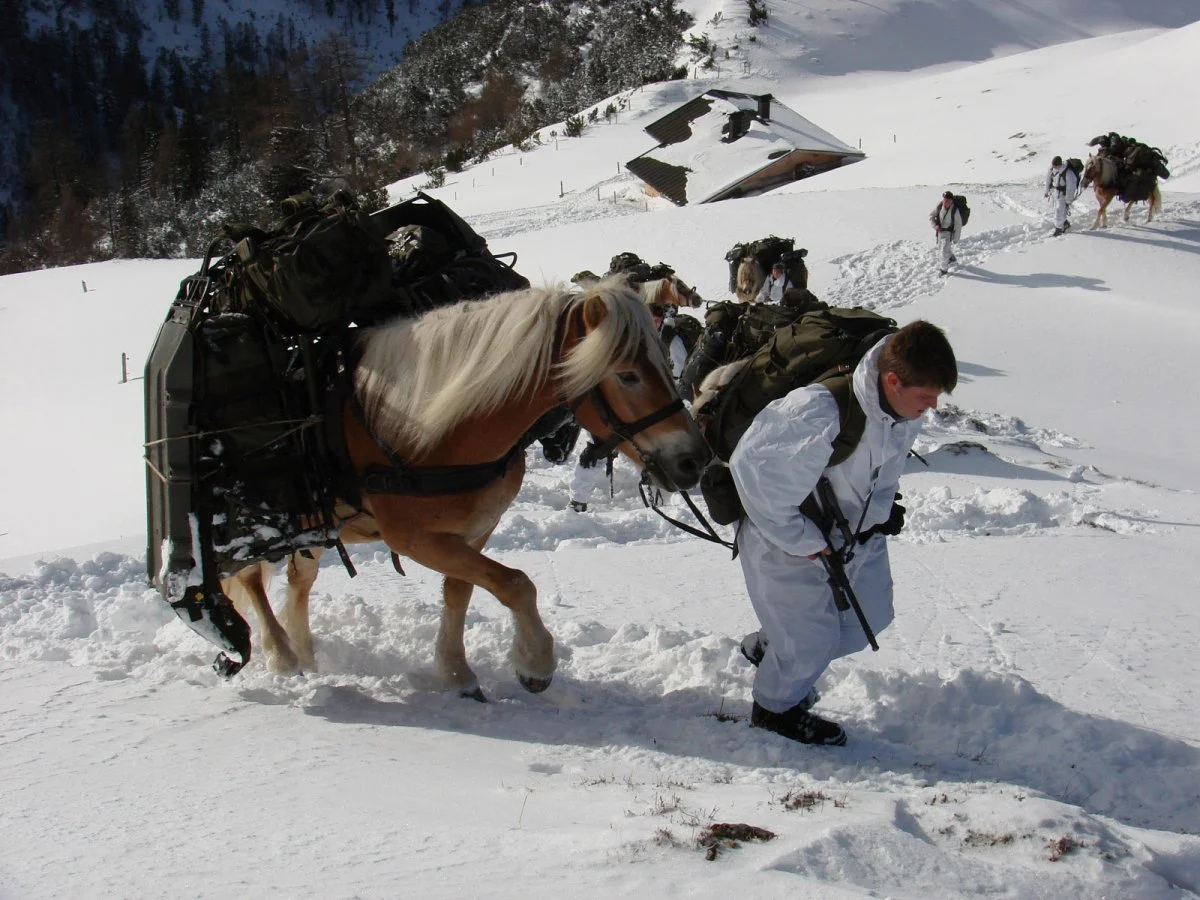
(113, 145)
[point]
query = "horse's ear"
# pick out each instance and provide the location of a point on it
(595, 311)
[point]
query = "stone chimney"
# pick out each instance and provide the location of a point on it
(764, 107)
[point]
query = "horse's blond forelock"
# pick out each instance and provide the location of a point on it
(419, 378)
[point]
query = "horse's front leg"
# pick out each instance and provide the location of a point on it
(301, 574)
(533, 647)
(449, 653)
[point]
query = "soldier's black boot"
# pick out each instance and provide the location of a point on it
(798, 724)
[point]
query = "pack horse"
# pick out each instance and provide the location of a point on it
(1105, 176)
(433, 423)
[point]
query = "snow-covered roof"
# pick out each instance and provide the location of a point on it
(719, 139)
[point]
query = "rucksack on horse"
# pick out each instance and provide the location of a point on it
(964, 211)
(766, 252)
(823, 347)
(317, 267)
(636, 269)
(734, 331)
(247, 367)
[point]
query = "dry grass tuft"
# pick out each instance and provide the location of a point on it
(727, 836)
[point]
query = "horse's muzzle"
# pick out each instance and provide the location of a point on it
(678, 471)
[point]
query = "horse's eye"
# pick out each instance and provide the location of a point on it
(629, 379)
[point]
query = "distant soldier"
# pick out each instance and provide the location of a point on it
(677, 351)
(947, 229)
(1064, 184)
(777, 282)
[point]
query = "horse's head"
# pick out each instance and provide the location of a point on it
(1091, 171)
(682, 294)
(615, 372)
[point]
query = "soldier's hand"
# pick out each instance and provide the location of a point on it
(824, 552)
(894, 523)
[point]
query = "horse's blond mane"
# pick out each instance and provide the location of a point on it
(713, 382)
(419, 378)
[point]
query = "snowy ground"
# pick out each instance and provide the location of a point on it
(1028, 728)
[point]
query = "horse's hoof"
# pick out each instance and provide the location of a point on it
(534, 685)
(476, 695)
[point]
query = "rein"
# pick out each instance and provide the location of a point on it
(709, 533)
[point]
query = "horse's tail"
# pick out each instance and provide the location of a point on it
(1155, 199)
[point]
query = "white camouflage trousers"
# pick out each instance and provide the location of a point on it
(1062, 208)
(945, 242)
(803, 627)
(585, 481)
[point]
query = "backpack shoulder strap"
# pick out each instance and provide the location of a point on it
(850, 411)
(854, 423)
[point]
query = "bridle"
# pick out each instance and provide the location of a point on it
(621, 431)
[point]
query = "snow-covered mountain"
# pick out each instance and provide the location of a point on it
(1028, 727)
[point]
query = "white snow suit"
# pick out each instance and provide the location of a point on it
(948, 222)
(775, 466)
(773, 288)
(585, 480)
(1063, 185)
(677, 351)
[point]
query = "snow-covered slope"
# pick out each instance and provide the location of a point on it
(1027, 730)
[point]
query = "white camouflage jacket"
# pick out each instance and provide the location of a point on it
(783, 453)
(947, 219)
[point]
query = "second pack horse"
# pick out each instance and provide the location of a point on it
(434, 428)
(1107, 180)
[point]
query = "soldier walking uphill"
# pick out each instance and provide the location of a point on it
(778, 465)
(1063, 183)
(947, 228)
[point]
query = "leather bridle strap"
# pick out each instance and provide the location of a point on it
(625, 431)
(621, 431)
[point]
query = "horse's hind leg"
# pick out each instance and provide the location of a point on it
(301, 574)
(533, 647)
(249, 586)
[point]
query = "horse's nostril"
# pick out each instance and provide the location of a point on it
(689, 469)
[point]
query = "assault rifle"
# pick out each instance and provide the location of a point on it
(830, 516)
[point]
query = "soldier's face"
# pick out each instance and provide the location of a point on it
(909, 401)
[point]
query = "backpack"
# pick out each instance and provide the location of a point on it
(734, 331)
(1075, 164)
(326, 265)
(636, 269)
(312, 269)
(964, 211)
(822, 347)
